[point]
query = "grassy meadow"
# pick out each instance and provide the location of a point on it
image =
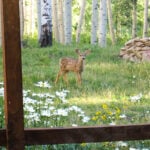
(113, 92)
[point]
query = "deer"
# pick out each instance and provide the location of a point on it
(72, 65)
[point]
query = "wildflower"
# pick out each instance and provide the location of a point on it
(28, 100)
(25, 92)
(105, 106)
(45, 113)
(61, 112)
(134, 76)
(132, 148)
(74, 125)
(81, 114)
(122, 116)
(122, 144)
(51, 108)
(49, 101)
(98, 113)
(34, 116)
(75, 108)
(147, 111)
(65, 91)
(44, 84)
(85, 119)
(103, 117)
(29, 108)
(43, 95)
(83, 144)
(62, 95)
(95, 118)
(1, 83)
(2, 92)
(136, 98)
(118, 110)
(112, 123)
(109, 113)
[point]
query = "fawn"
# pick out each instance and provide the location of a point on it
(74, 65)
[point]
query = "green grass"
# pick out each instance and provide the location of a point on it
(106, 80)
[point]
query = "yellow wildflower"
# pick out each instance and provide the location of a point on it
(83, 144)
(103, 117)
(118, 111)
(95, 118)
(109, 112)
(105, 106)
(98, 113)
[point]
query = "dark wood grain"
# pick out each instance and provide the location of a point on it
(41, 136)
(12, 74)
(86, 134)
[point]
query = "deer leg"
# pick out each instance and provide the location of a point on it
(79, 78)
(65, 77)
(58, 76)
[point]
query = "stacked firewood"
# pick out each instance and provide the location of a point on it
(136, 50)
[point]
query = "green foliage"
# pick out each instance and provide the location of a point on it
(122, 19)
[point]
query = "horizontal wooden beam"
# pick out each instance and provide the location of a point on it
(41, 136)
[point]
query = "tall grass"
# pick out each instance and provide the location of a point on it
(113, 91)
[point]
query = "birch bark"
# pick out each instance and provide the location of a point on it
(68, 21)
(94, 21)
(82, 12)
(21, 21)
(110, 20)
(145, 27)
(55, 20)
(0, 27)
(61, 21)
(46, 23)
(39, 17)
(103, 23)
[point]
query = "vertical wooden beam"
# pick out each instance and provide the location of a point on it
(12, 75)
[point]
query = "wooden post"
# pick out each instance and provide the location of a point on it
(12, 75)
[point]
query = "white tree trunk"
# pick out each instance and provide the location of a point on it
(0, 28)
(61, 21)
(110, 18)
(46, 23)
(55, 20)
(94, 21)
(68, 21)
(39, 17)
(103, 23)
(21, 20)
(32, 17)
(82, 12)
(145, 27)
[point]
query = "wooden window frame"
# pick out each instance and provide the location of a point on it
(15, 136)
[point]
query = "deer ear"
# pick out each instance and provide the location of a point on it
(77, 51)
(87, 52)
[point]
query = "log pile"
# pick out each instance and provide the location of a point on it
(136, 50)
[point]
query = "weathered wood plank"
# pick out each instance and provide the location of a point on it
(40, 136)
(12, 74)
(86, 134)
